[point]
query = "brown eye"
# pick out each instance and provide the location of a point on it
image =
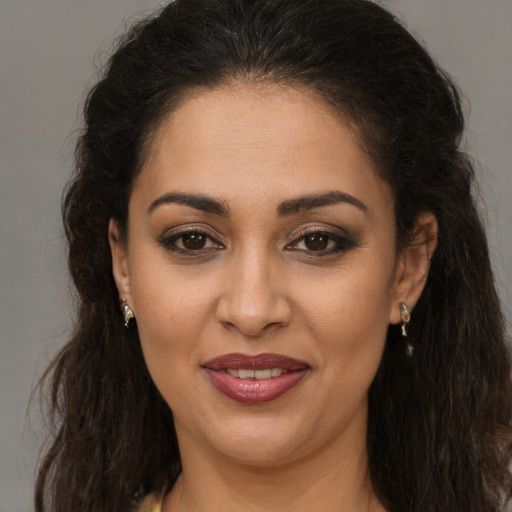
(322, 243)
(190, 242)
(194, 241)
(316, 242)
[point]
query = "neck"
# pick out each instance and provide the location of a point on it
(333, 477)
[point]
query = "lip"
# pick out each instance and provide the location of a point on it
(239, 361)
(252, 391)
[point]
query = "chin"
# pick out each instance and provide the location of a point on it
(260, 441)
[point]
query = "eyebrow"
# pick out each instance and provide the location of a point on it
(312, 201)
(290, 206)
(197, 201)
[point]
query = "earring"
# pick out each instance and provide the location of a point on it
(406, 317)
(127, 312)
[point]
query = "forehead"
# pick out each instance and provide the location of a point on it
(257, 144)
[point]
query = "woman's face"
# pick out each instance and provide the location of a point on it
(259, 226)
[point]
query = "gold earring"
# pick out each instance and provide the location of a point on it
(127, 312)
(406, 317)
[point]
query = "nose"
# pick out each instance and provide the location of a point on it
(253, 300)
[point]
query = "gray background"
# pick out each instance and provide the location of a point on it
(49, 54)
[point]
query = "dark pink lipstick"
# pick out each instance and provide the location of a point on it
(255, 384)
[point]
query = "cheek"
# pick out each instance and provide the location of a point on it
(169, 330)
(171, 311)
(348, 316)
(354, 297)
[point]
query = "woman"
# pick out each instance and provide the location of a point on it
(284, 296)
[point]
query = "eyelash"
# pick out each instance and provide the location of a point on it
(169, 242)
(343, 242)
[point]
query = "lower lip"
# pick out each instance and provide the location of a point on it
(252, 391)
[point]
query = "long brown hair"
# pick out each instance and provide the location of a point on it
(439, 436)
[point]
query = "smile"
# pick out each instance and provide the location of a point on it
(256, 374)
(255, 379)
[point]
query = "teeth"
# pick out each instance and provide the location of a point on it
(246, 374)
(263, 374)
(256, 374)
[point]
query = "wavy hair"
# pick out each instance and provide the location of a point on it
(439, 435)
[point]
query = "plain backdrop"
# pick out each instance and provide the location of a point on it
(50, 52)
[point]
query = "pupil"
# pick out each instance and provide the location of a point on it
(316, 242)
(194, 241)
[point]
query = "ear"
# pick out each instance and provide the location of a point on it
(120, 268)
(414, 265)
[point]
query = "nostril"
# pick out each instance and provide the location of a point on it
(254, 328)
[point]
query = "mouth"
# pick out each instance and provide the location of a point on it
(268, 373)
(255, 379)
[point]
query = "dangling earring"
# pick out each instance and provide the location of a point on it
(127, 312)
(406, 317)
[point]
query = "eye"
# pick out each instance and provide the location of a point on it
(191, 241)
(322, 242)
(317, 242)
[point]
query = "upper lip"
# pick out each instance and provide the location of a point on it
(258, 362)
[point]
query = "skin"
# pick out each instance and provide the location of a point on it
(257, 286)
